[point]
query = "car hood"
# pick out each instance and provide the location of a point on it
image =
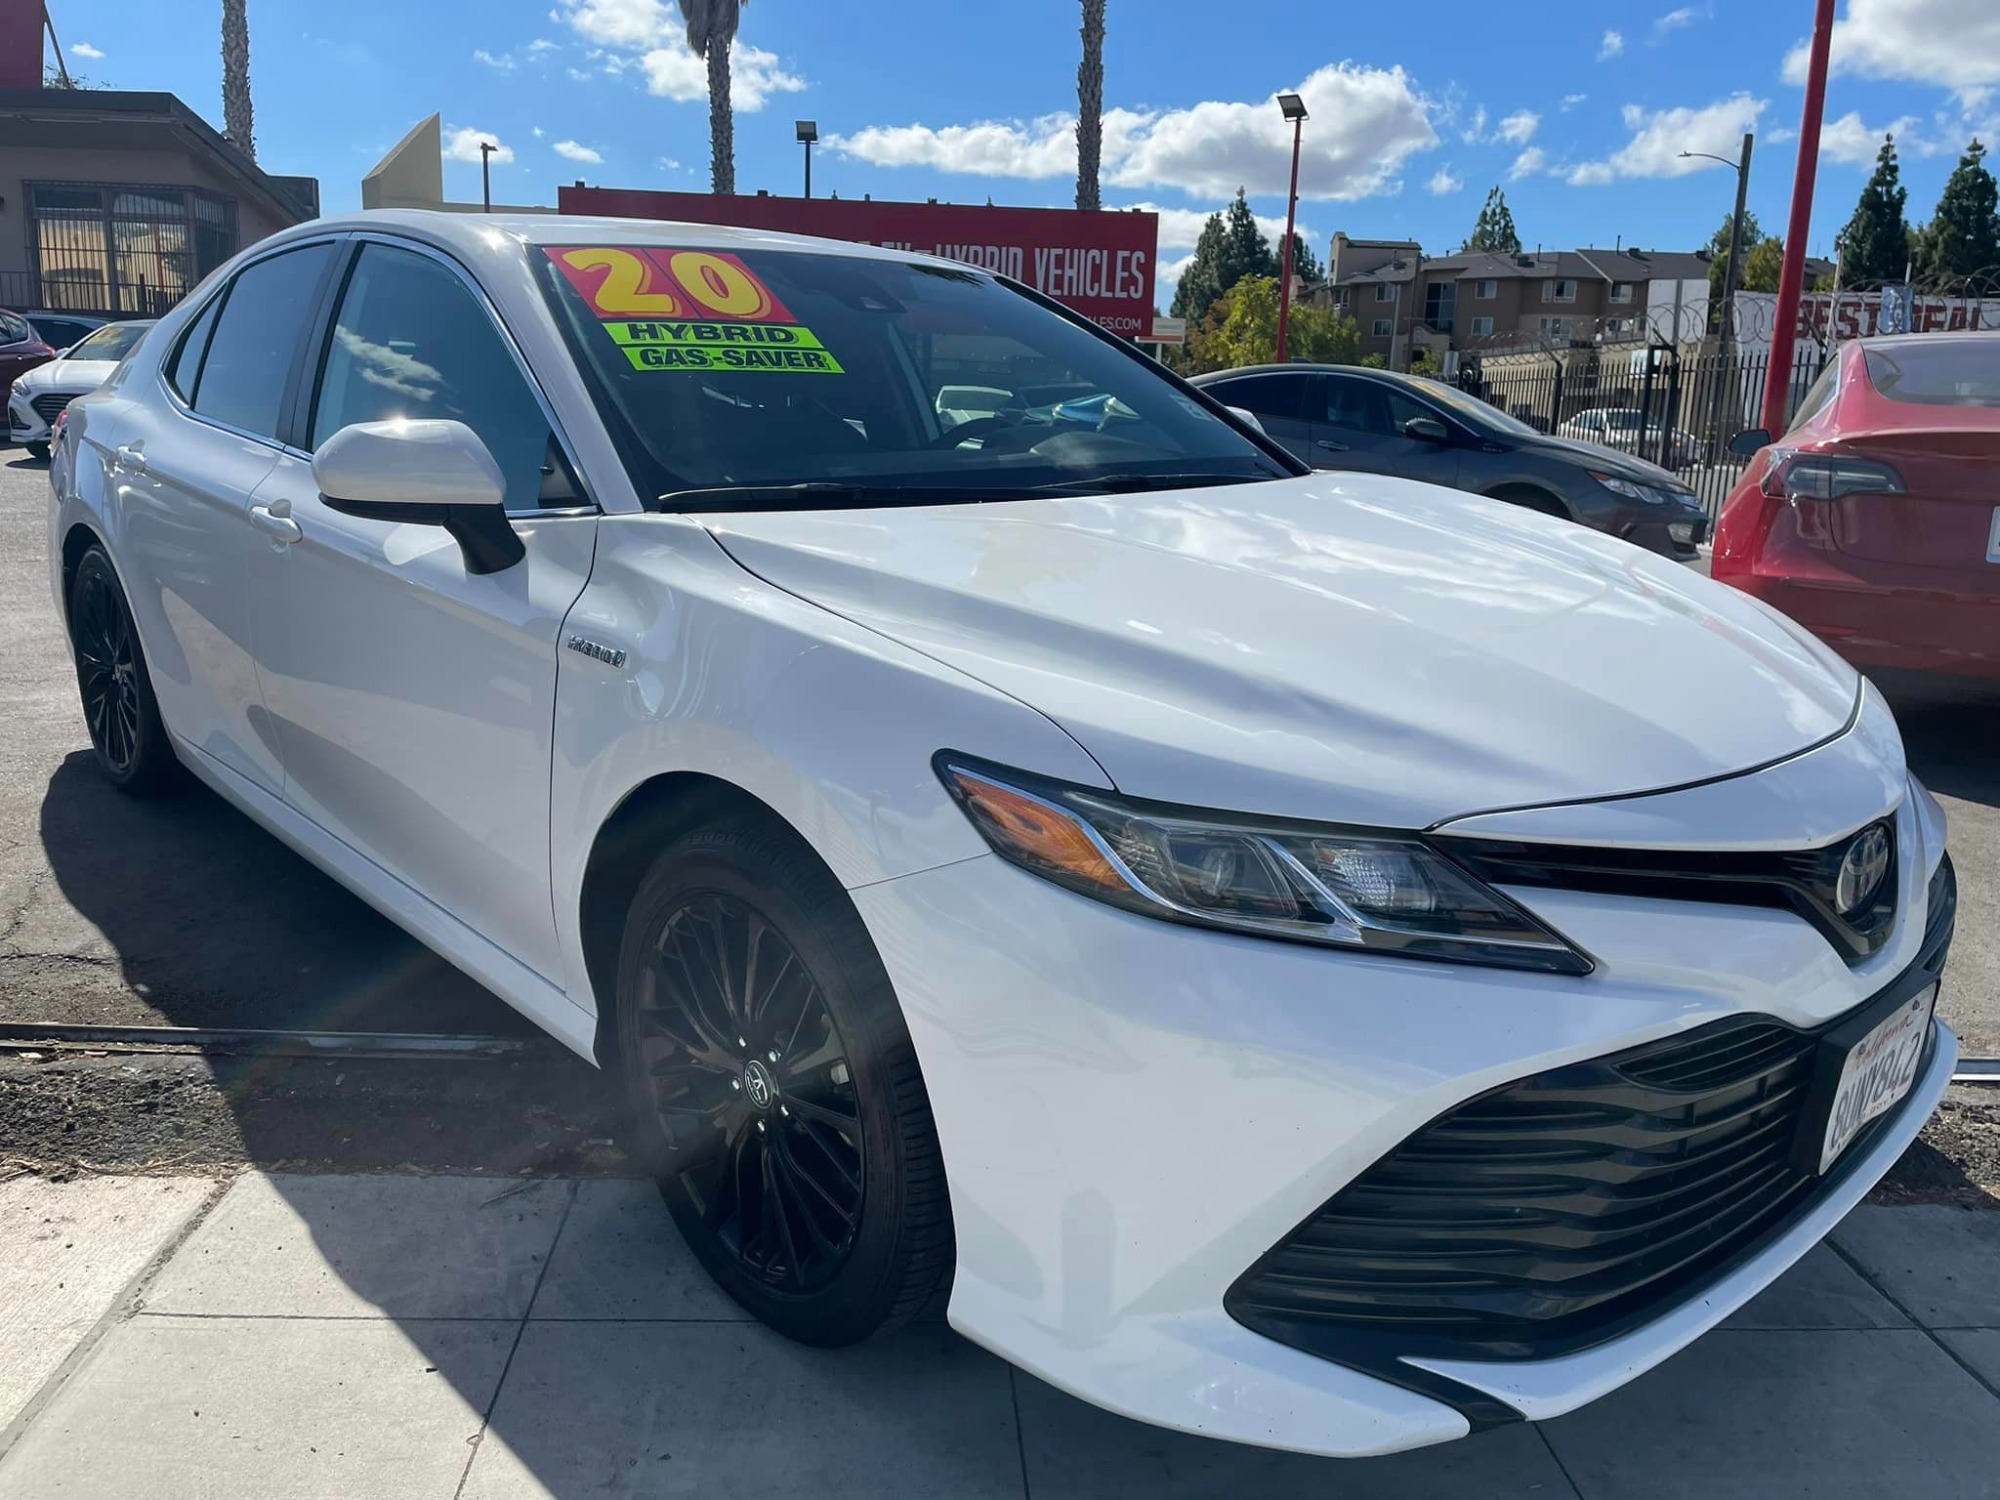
(1344, 647)
(69, 375)
(1605, 460)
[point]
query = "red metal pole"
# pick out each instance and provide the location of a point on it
(1285, 276)
(1791, 282)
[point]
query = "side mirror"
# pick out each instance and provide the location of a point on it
(423, 472)
(1248, 418)
(1427, 430)
(1746, 444)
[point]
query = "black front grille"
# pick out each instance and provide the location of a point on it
(49, 405)
(1558, 1211)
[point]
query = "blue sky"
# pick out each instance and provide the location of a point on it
(1578, 108)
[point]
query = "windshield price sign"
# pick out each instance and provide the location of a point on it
(690, 310)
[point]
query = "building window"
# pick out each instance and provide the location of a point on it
(1440, 302)
(1552, 328)
(1621, 291)
(114, 248)
(1559, 291)
(1384, 328)
(1485, 291)
(1481, 327)
(1340, 296)
(1384, 292)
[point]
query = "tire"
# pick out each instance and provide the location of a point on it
(788, 1129)
(37, 450)
(119, 709)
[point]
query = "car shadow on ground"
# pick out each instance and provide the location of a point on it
(1951, 735)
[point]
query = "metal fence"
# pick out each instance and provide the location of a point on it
(1674, 406)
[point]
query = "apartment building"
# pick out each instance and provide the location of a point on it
(1403, 300)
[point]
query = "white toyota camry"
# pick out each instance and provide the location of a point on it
(1311, 959)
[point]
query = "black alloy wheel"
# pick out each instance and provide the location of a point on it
(119, 710)
(772, 1088)
(754, 1090)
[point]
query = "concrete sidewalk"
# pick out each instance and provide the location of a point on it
(418, 1337)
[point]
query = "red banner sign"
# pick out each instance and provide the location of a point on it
(1099, 264)
(1857, 315)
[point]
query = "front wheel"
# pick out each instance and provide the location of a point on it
(774, 1090)
(37, 450)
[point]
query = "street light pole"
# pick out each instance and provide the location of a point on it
(1294, 110)
(486, 150)
(808, 132)
(1731, 269)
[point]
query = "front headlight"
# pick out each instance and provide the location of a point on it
(1382, 892)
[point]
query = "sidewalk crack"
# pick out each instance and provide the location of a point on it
(1916, 1322)
(1568, 1478)
(124, 1307)
(478, 1440)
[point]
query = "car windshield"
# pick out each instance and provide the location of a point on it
(1472, 408)
(1948, 372)
(762, 377)
(112, 341)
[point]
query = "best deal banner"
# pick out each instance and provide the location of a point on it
(1098, 264)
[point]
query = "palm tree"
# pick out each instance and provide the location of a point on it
(711, 28)
(1090, 105)
(236, 78)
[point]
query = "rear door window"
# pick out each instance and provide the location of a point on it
(248, 362)
(1266, 395)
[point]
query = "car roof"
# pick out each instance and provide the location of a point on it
(479, 239)
(1300, 365)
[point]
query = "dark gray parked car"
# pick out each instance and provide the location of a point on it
(1342, 417)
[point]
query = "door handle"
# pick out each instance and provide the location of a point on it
(131, 456)
(1330, 445)
(275, 521)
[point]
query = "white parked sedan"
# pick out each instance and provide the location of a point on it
(36, 399)
(1312, 959)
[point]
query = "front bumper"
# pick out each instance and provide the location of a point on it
(24, 423)
(1132, 1114)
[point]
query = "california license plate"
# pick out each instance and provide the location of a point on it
(1877, 1072)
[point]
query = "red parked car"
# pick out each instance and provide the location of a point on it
(21, 349)
(1875, 521)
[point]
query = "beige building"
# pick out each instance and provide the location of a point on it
(1402, 300)
(116, 202)
(412, 176)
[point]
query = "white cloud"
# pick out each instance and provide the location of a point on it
(1518, 128)
(1674, 20)
(1660, 136)
(542, 44)
(1475, 132)
(84, 49)
(576, 151)
(1442, 182)
(1854, 144)
(648, 34)
(1529, 162)
(1611, 46)
(1365, 122)
(1571, 101)
(1180, 228)
(536, 132)
(461, 143)
(669, 164)
(504, 62)
(1953, 43)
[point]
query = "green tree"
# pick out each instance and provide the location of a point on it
(1718, 256)
(1494, 229)
(236, 113)
(1231, 247)
(1305, 265)
(1090, 105)
(1963, 238)
(1875, 246)
(1764, 265)
(1242, 329)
